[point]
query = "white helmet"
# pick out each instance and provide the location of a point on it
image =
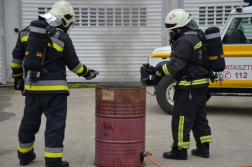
(176, 19)
(62, 13)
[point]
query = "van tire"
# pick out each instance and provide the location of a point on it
(164, 94)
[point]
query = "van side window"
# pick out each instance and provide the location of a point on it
(239, 31)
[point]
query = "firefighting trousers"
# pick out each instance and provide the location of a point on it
(54, 108)
(190, 114)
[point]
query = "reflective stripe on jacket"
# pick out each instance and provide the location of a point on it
(197, 83)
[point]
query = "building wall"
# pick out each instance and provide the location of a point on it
(117, 52)
(2, 45)
(11, 21)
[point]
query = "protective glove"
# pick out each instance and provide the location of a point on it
(147, 66)
(19, 83)
(153, 70)
(91, 75)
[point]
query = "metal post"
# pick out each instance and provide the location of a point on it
(2, 36)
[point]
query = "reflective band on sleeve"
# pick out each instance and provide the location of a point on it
(24, 39)
(80, 70)
(37, 30)
(165, 69)
(86, 72)
(75, 69)
(198, 45)
(56, 46)
(211, 36)
(24, 148)
(206, 139)
(17, 61)
(57, 41)
(54, 150)
(15, 65)
(194, 82)
(25, 33)
(17, 75)
(53, 155)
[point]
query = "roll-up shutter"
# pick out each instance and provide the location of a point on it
(114, 36)
(209, 13)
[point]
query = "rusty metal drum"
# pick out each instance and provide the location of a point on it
(120, 125)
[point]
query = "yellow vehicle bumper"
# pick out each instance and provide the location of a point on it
(231, 84)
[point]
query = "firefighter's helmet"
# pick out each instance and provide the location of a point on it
(62, 13)
(176, 19)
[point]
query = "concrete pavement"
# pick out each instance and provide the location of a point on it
(230, 119)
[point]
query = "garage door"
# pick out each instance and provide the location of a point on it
(210, 13)
(114, 36)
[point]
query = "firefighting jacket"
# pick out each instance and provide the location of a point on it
(62, 54)
(186, 57)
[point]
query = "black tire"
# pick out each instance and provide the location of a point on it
(164, 94)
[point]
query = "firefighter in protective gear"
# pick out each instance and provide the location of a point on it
(49, 93)
(191, 87)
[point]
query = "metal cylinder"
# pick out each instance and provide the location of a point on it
(120, 125)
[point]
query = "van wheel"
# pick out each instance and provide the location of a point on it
(164, 94)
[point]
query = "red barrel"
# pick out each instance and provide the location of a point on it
(120, 125)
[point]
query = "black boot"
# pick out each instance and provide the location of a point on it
(24, 163)
(195, 152)
(176, 154)
(64, 164)
(202, 150)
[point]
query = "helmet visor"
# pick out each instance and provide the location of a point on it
(51, 19)
(192, 25)
(170, 26)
